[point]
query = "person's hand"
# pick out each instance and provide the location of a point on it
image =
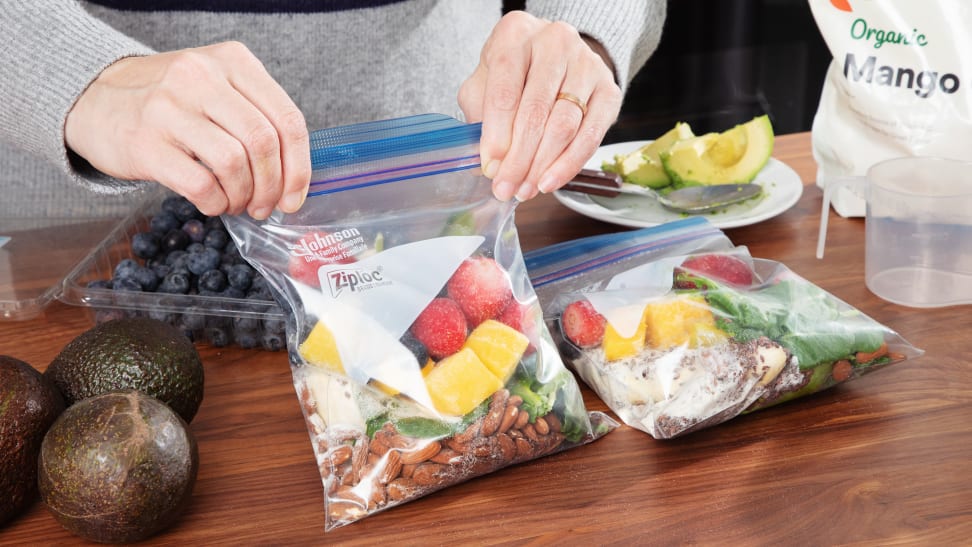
(533, 137)
(210, 123)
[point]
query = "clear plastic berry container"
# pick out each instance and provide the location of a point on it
(113, 280)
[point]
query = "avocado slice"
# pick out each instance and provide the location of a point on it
(733, 156)
(644, 166)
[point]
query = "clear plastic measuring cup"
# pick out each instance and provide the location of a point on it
(918, 230)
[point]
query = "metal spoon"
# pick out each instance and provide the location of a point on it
(691, 199)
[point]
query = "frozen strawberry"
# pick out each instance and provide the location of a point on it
(441, 327)
(310, 252)
(520, 316)
(582, 324)
(481, 288)
(719, 267)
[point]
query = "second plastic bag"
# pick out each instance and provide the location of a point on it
(676, 330)
(417, 344)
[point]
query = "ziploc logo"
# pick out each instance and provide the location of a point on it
(355, 280)
(842, 5)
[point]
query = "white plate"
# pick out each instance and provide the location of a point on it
(782, 188)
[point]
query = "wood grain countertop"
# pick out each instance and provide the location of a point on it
(883, 460)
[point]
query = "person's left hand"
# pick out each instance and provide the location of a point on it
(533, 138)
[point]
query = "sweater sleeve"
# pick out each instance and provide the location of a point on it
(628, 29)
(52, 50)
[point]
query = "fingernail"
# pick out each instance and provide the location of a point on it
(293, 201)
(261, 213)
(525, 192)
(490, 168)
(548, 184)
(503, 190)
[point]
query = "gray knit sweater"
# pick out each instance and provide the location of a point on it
(340, 66)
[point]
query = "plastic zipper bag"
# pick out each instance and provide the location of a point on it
(416, 341)
(676, 330)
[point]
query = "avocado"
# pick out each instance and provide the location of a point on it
(643, 166)
(134, 353)
(117, 467)
(733, 156)
(29, 404)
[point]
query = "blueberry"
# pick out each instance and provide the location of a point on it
(245, 323)
(261, 294)
(203, 261)
(163, 316)
(145, 244)
(146, 278)
(174, 240)
(273, 341)
(246, 339)
(161, 270)
(185, 210)
(194, 247)
(212, 280)
(99, 284)
(171, 203)
(216, 239)
(192, 320)
(196, 230)
(164, 221)
(233, 292)
(217, 336)
(173, 258)
(418, 349)
(125, 267)
(129, 284)
(174, 283)
(274, 325)
(240, 276)
(214, 223)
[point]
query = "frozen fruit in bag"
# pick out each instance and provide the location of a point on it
(441, 327)
(458, 383)
(481, 288)
(582, 324)
(731, 335)
(721, 267)
(417, 345)
(499, 346)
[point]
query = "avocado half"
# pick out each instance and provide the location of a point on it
(644, 166)
(733, 156)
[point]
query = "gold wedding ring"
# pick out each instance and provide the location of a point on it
(570, 97)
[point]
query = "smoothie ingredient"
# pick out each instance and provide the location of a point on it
(29, 404)
(733, 156)
(117, 467)
(481, 288)
(132, 353)
(582, 324)
(441, 327)
(721, 267)
(643, 166)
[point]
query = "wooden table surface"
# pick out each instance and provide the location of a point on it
(885, 459)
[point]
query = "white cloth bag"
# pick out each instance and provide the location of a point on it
(899, 85)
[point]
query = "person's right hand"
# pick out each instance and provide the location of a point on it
(210, 123)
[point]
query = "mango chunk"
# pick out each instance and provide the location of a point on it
(616, 346)
(458, 383)
(683, 320)
(499, 346)
(320, 349)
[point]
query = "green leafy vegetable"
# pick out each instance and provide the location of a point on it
(799, 315)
